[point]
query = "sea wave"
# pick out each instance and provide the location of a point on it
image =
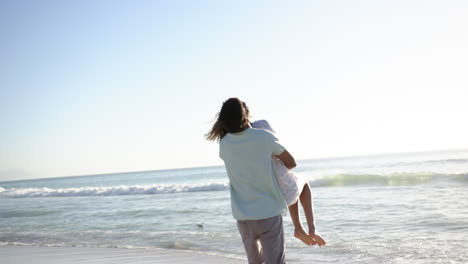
(111, 190)
(394, 179)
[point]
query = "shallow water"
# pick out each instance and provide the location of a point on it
(376, 209)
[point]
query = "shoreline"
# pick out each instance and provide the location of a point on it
(12, 254)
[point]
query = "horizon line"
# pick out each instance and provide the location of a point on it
(220, 165)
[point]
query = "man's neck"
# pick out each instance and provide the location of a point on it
(246, 126)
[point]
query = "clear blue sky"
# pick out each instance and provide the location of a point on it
(108, 86)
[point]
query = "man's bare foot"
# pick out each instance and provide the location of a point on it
(317, 239)
(302, 235)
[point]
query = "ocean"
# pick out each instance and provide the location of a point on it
(400, 208)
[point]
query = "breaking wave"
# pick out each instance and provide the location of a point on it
(111, 190)
(394, 179)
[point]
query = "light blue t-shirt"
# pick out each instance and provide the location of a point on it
(247, 156)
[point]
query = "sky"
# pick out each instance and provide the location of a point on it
(90, 87)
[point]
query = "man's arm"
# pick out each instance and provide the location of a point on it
(287, 159)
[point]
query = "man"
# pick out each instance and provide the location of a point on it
(256, 200)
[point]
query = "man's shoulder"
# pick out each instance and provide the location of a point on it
(256, 133)
(260, 132)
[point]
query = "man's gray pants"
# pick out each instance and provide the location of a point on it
(263, 240)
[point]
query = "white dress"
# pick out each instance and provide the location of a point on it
(290, 183)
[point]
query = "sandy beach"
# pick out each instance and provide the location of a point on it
(69, 255)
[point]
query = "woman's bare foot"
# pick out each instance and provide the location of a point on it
(302, 235)
(317, 239)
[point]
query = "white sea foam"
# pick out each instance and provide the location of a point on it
(393, 179)
(321, 180)
(112, 190)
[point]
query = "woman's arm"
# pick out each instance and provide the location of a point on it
(287, 159)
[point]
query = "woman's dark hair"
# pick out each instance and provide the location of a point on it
(232, 118)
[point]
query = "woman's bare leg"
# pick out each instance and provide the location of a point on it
(307, 205)
(306, 201)
(299, 231)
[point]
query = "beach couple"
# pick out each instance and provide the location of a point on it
(261, 184)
